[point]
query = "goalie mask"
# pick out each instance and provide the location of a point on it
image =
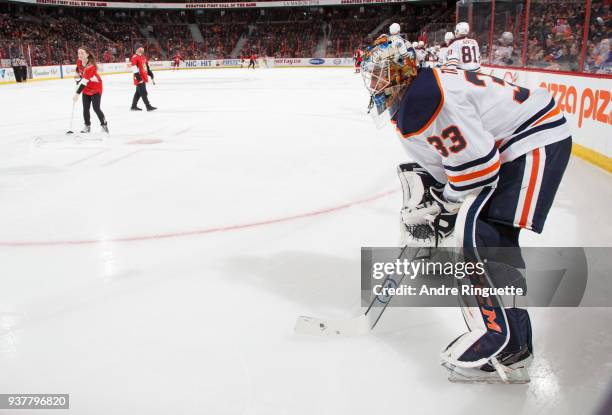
(387, 70)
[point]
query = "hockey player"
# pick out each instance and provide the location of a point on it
(421, 54)
(463, 52)
(497, 147)
(431, 56)
(90, 86)
(502, 52)
(443, 57)
(395, 39)
(141, 72)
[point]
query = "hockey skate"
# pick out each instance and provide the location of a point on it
(135, 108)
(105, 127)
(511, 369)
(151, 108)
(86, 129)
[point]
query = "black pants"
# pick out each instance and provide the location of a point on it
(95, 100)
(24, 73)
(17, 72)
(251, 63)
(141, 92)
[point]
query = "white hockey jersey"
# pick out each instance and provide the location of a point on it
(463, 53)
(502, 55)
(462, 125)
(442, 57)
(420, 55)
(400, 44)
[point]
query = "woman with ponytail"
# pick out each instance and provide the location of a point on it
(90, 86)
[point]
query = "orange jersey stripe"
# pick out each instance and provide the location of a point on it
(474, 175)
(552, 113)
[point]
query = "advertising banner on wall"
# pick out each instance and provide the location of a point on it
(45, 72)
(585, 100)
(7, 75)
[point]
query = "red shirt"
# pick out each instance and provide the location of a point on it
(93, 81)
(254, 57)
(177, 58)
(79, 67)
(139, 65)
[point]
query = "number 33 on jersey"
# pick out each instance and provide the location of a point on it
(461, 126)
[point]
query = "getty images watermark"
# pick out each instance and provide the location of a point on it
(447, 269)
(439, 277)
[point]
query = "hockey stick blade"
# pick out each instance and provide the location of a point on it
(313, 326)
(362, 324)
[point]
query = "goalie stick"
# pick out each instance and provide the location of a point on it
(363, 323)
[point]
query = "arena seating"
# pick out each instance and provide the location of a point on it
(554, 40)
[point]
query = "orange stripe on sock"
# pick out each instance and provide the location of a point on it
(532, 182)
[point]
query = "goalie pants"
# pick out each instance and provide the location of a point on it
(522, 199)
(89, 101)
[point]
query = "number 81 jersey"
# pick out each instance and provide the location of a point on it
(463, 53)
(461, 126)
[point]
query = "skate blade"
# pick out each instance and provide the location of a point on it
(71, 140)
(515, 376)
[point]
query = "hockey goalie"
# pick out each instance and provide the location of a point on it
(487, 159)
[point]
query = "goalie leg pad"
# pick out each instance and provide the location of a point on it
(498, 345)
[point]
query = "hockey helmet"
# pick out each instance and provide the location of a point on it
(394, 29)
(448, 37)
(462, 29)
(506, 39)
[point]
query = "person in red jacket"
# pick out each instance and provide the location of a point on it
(177, 61)
(252, 60)
(142, 72)
(90, 86)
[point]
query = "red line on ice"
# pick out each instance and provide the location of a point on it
(199, 231)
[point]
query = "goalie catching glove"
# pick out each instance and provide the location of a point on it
(426, 217)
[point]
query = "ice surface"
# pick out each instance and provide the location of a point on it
(161, 270)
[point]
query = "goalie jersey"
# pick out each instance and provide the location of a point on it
(462, 125)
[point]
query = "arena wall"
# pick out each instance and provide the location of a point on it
(586, 102)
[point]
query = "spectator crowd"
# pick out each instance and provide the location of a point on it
(554, 38)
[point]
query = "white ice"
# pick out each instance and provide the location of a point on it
(128, 279)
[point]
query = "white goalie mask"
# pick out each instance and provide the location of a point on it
(388, 67)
